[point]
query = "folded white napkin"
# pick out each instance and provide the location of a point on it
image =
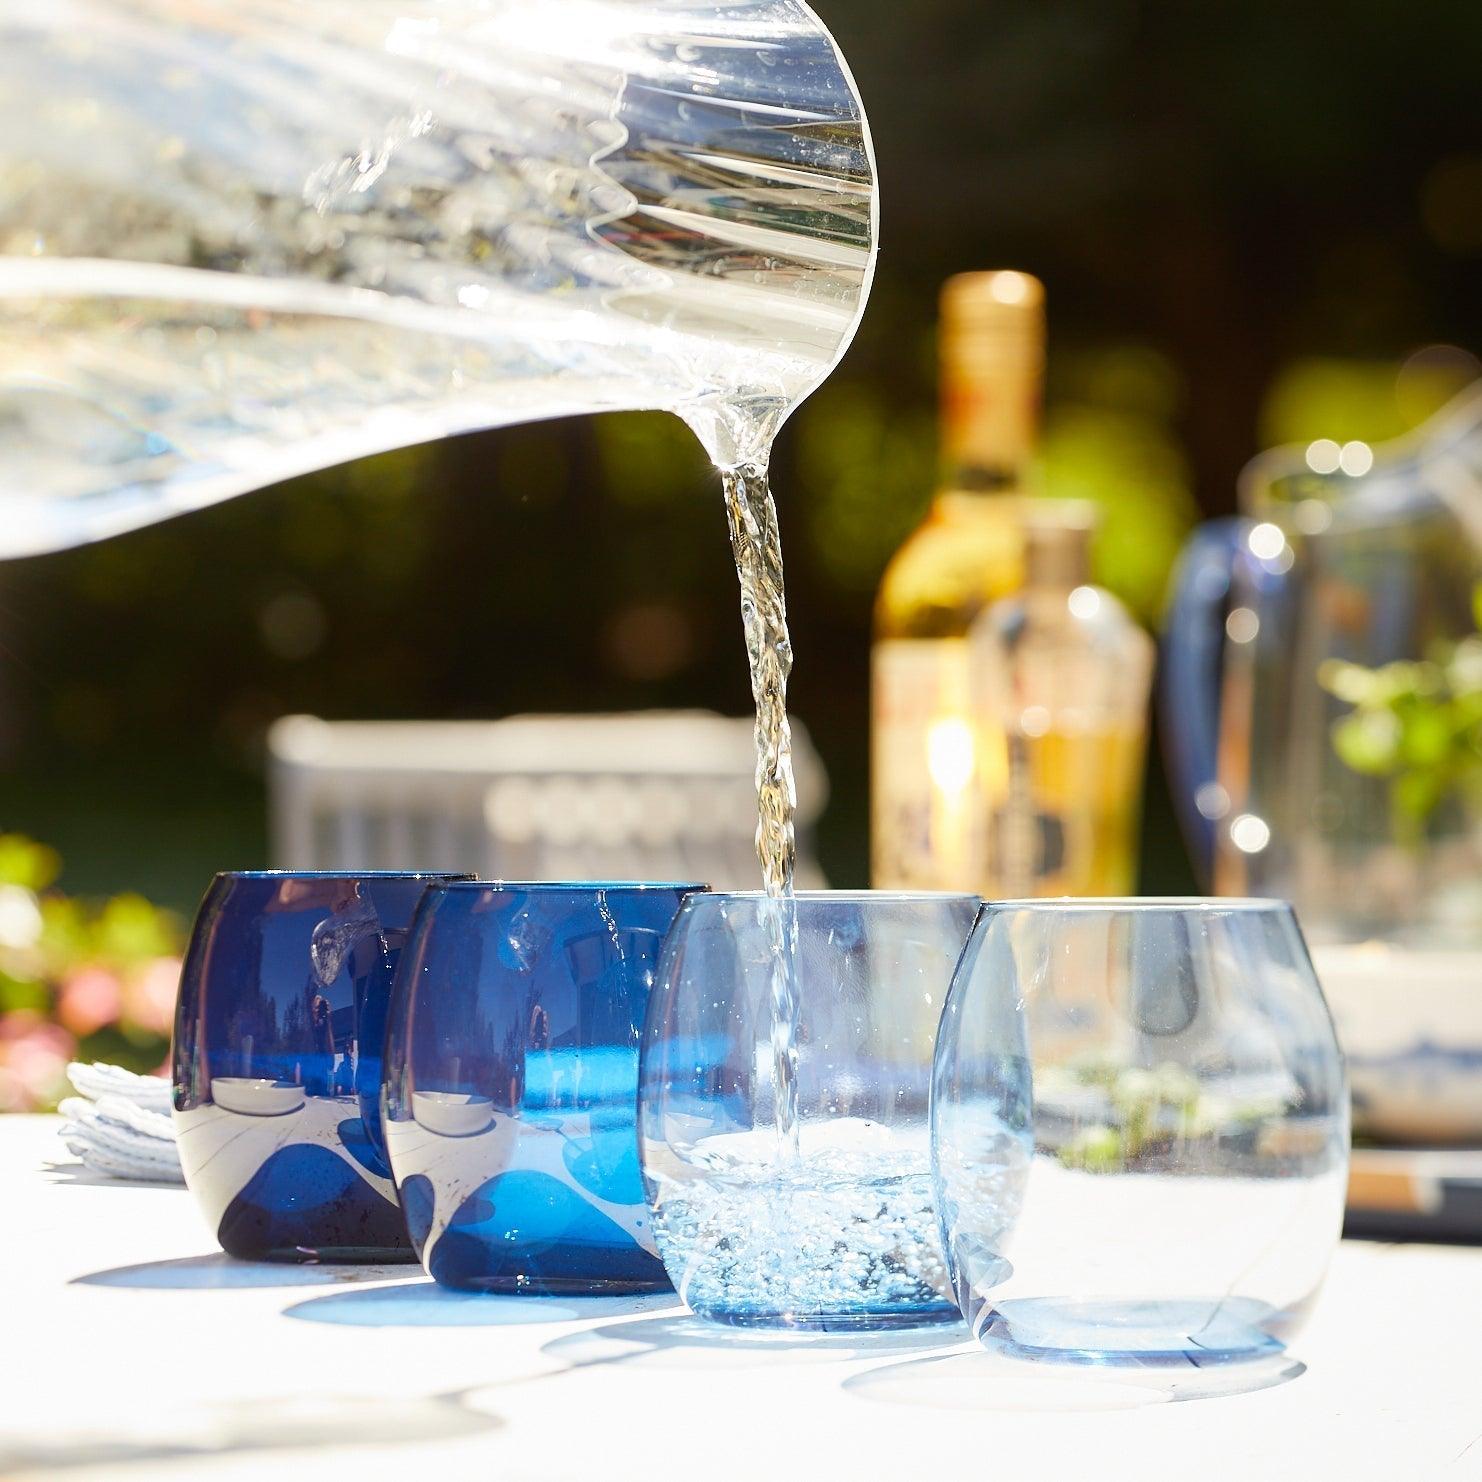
(120, 1125)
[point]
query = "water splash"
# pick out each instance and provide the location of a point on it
(839, 1233)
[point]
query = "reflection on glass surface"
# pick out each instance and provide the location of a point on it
(277, 1063)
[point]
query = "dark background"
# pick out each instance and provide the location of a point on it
(1257, 223)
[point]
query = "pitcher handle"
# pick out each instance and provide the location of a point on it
(1189, 677)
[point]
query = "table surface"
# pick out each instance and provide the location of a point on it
(135, 1349)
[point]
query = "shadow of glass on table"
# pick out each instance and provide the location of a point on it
(981, 1380)
(79, 1175)
(221, 1272)
(678, 1339)
(424, 1304)
(305, 1422)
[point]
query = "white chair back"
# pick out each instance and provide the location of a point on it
(662, 795)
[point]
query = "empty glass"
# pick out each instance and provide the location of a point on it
(277, 1062)
(783, 1106)
(1177, 1134)
(512, 1085)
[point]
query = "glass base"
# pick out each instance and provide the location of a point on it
(557, 1286)
(837, 1322)
(1220, 1330)
(349, 1255)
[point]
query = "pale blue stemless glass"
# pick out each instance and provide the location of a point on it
(1177, 1133)
(836, 1229)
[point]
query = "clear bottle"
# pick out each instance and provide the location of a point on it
(965, 555)
(1060, 676)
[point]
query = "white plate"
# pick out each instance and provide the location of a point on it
(1410, 1023)
(256, 1098)
(452, 1114)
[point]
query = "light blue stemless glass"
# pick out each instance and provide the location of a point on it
(1178, 1133)
(511, 1092)
(783, 1106)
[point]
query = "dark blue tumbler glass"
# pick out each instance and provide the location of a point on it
(512, 1085)
(279, 1031)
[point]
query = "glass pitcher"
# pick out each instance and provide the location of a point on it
(242, 239)
(1322, 711)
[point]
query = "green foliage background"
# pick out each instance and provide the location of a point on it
(1249, 217)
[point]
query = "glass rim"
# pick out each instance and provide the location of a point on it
(1108, 905)
(439, 875)
(568, 887)
(881, 896)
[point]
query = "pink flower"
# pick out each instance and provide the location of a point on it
(149, 997)
(33, 1061)
(89, 998)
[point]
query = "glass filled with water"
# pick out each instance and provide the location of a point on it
(783, 1106)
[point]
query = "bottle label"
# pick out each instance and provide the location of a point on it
(1026, 837)
(1060, 818)
(922, 765)
(989, 424)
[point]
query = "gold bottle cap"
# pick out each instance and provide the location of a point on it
(1002, 300)
(992, 364)
(1057, 542)
(992, 320)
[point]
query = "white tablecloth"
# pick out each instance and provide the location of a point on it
(131, 1347)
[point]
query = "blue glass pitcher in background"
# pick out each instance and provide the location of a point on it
(1321, 709)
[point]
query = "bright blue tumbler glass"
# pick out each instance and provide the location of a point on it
(279, 1030)
(1157, 1175)
(512, 1084)
(784, 1107)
